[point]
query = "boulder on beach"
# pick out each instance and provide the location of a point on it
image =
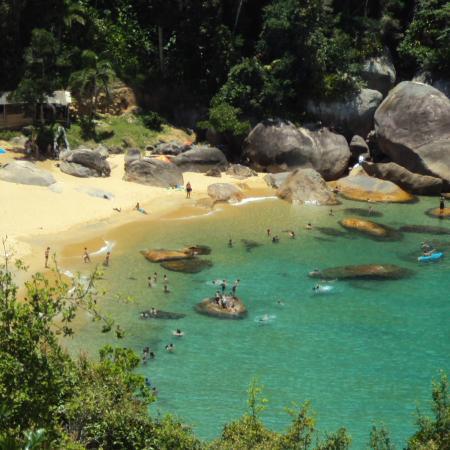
(365, 188)
(214, 172)
(153, 172)
(201, 159)
(192, 265)
(172, 148)
(275, 180)
(363, 272)
(224, 192)
(240, 171)
(365, 227)
(161, 255)
(306, 186)
(409, 181)
(280, 144)
(25, 172)
(210, 308)
(413, 128)
(353, 115)
(85, 162)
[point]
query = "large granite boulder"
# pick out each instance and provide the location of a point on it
(275, 180)
(201, 159)
(90, 159)
(210, 308)
(413, 128)
(365, 227)
(161, 255)
(224, 192)
(306, 186)
(379, 74)
(240, 171)
(170, 148)
(353, 115)
(153, 172)
(365, 188)
(281, 143)
(410, 182)
(132, 154)
(363, 272)
(358, 146)
(25, 172)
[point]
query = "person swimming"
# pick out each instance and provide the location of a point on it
(275, 239)
(309, 226)
(291, 234)
(178, 333)
(170, 347)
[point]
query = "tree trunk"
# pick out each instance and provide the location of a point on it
(161, 50)
(238, 13)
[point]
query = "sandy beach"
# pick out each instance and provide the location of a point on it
(33, 217)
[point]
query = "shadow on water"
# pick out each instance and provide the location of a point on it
(322, 239)
(333, 232)
(424, 229)
(362, 212)
(250, 245)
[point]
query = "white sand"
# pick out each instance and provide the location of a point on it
(27, 212)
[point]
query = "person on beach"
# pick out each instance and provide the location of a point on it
(188, 189)
(441, 205)
(86, 257)
(117, 209)
(106, 261)
(230, 243)
(234, 288)
(47, 254)
(138, 208)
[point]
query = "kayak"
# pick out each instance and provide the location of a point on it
(433, 257)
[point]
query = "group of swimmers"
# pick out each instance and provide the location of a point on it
(152, 280)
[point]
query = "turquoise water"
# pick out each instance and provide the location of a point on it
(365, 352)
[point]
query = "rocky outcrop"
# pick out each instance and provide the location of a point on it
(84, 162)
(353, 115)
(214, 172)
(358, 146)
(240, 171)
(363, 272)
(210, 308)
(153, 172)
(173, 148)
(365, 227)
(201, 159)
(224, 192)
(132, 154)
(25, 172)
(379, 74)
(365, 188)
(193, 265)
(281, 144)
(275, 180)
(413, 128)
(161, 255)
(411, 182)
(306, 186)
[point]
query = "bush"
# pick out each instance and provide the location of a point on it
(6, 135)
(153, 121)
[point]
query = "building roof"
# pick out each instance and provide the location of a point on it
(62, 98)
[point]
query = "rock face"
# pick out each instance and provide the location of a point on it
(379, 73)
(170, 148)
(94, 160)
(224, 192)
(25, 172)
(413, 128)
(363, 272)
(358, 146)
(239, 171)
(201, 159)
(161, 255)
(365, 188)
(353, 116)
(153, 172)
(193, 265)
(365, 227)
(411, 182)
(281, 144)
(214, 172)
(275, 180)
(306, 186)
(132, 154)
(210, 308)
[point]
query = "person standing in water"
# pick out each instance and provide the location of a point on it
(47, 254)
(230, 243)
(86, 257)
(188, 189)
(441, 205)
(268, 232)
(149, 282)
(106, 261)
(155, 277)
(234, 288)
(223, 285)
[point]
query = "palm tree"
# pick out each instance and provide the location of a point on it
(95, 77)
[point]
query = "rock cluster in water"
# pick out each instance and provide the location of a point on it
(365, 227)
(209, 307)
(363, 271)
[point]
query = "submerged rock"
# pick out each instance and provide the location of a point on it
(365, 188)
(363, 271)
(306, 186)
(365, 226)
(158, 314)
(160, 255)
(424, 229)
(193, 265)
(198, 249)
(362, 212)
(436, 212)
(250, 245)
(328, 231)
(210, 308)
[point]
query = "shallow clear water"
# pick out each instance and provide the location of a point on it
(365, 352)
